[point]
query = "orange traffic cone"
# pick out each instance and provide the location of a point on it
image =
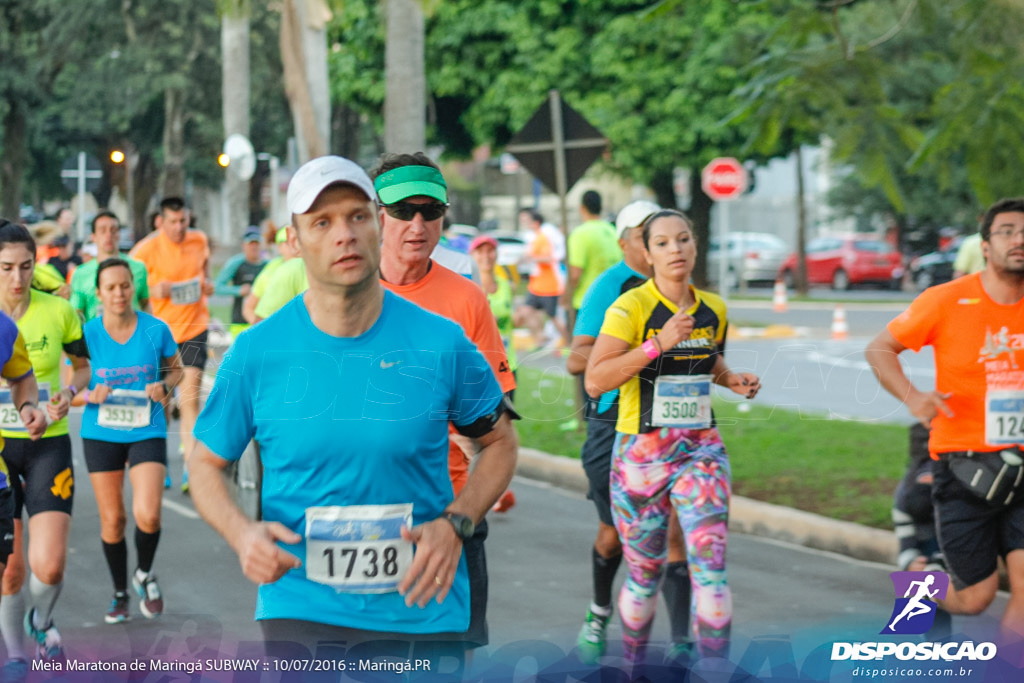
(839, 328)
(779, 302)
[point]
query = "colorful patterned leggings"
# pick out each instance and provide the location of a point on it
(685, 470)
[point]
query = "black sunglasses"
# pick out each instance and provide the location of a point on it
(406, 211)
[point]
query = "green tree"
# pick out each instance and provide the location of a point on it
(38, 40)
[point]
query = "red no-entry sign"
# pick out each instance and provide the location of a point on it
(724, 178)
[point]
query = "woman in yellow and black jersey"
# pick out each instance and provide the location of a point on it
(695, 355)
(663, 344)
(41, 469)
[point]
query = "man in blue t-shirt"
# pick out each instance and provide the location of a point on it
(596, 453)
(349, 389)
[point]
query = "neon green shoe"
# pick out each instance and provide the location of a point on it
(591, 642)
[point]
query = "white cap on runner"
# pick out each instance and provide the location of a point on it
(314, 176)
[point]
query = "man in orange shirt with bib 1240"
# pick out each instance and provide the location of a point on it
(975, 326)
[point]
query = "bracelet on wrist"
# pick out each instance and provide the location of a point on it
(650, 349)
(26, 403)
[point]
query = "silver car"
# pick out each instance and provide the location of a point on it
(753, 257)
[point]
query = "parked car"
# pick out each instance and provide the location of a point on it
(511, 247)
(459, 235)
(935, 267)
(752, 257)
(845, 261)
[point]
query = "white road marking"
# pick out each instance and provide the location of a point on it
(180, 509)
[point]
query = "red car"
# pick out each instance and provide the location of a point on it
(845, 261)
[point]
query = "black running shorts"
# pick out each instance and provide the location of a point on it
(596, 456)
(45, 467)
(973, 533)
(193, 351)
(109, 456)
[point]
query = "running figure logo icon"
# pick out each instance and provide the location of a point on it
(916, 595)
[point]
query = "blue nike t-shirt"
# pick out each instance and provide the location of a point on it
(131, 365)
(348, 422)
(609, 286)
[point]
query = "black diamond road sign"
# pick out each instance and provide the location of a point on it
(534, 145)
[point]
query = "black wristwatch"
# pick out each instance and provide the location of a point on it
(464, 526)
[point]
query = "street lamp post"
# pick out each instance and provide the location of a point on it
(273, 162)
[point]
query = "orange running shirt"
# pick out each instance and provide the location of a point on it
(546, 278)
(976, 343)
(184, 264)
(452, 296)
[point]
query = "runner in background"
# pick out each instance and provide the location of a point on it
(593, 249)
(544, 252)
(106, 232)
(178, 267)
(49, 326)
(484, 251)
(135, 365)
(285, 252)
(238, 275)
(413, 198)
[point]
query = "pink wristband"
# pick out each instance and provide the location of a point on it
(651, 349)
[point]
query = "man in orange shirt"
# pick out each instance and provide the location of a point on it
(178, 268)
(414, 198)
(975, 326)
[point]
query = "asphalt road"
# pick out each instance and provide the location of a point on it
(819, 377)
(790, 603)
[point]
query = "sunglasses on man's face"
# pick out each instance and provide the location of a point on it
(406, 211)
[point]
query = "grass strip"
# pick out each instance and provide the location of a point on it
(841, 469)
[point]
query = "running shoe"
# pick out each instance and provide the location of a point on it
(506, 502)
(152, 603)
(184, 481)
(681, 652)
(118, 610)
(15, 670)
(591, 642)
(936, 563)
(167, 481)
(49, 644)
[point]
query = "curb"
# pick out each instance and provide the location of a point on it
(746, 515)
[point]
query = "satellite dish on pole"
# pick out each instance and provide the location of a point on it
(242, 156)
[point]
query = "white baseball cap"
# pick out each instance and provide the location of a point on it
(315, 175)
(634, 214)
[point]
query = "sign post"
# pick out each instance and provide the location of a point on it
(724, 179)
(558, 145)
(81, 174)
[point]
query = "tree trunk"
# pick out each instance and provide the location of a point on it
(700, 214)
(234, 44)
(345, 131)
(304, 57)
(145, 179)
(173, 182)
(405, 107)
(12, 163)
(801, 226)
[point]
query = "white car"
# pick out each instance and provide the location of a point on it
(753, 257)
(511, 247)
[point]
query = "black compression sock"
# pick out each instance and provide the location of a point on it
(145, 546)
(117, 560)
(604, 576)
(676, 589)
